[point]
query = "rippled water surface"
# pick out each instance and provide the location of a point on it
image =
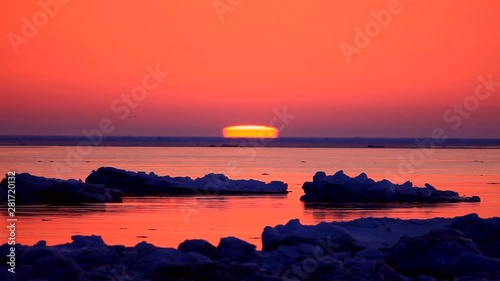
(167, 221)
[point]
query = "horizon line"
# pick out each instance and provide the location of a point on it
(221, 137)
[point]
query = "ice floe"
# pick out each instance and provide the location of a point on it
(141, 183)
(31, 189)
(340, 188)
(461, 248)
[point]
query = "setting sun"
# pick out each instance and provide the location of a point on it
(250, 131)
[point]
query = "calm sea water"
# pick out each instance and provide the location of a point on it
(167, 221)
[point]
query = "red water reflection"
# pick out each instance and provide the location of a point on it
(167, 221)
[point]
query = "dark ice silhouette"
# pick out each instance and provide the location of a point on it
(141, 183)
(340, 188)
(39, 190)
(463, 248)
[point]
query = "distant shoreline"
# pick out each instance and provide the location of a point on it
(284, 142)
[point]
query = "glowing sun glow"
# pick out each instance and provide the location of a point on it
(250, 131)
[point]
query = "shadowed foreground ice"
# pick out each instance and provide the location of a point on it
(141, 183)
(39, 190)
(465, 248)
(340, 188)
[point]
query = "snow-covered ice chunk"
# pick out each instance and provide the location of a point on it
(434, 249)
(39, 190)
(330, 237)
(340, 188)
(235, 249)
(199, 246)
(140, 183)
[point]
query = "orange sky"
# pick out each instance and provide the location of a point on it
(263, 55)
